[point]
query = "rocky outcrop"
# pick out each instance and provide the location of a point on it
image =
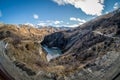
(55, 40)
(9, 69)
(86, 43)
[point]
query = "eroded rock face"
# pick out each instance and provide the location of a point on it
(55, 40)
(88, 42)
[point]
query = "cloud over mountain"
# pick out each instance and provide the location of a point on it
(116, 5)
(77, 19)
(35, 16)
(90, 7)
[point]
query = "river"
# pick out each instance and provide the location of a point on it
(52, 52)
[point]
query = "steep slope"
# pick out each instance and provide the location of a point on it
(87, 43)
(108, 25)
(22, 45)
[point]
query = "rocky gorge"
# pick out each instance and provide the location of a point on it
(88, 52)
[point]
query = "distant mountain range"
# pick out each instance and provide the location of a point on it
(41, 26)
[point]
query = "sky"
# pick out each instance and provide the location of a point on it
(68, 13)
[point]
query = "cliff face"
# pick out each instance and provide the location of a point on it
(87, 43)
(107, 25)
(89, 52)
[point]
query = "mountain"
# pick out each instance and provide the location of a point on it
(88, 52)
(57, 28)
(87, 42)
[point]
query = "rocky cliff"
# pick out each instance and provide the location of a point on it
(88, 42)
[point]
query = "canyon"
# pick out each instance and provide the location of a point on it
(88, 52)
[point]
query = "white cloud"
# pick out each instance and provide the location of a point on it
(81, 20)
(67, 23)
(77, 19)
(74, 25)
(90, 7)
(50, 23)
(73, 19)
(57, 22)
(35, 16)
(101, 1)
(57, 26)
(60, 2)
(116, 5)
(0, 13)
(42, 24)
(71, 25)
(30, 24)
(106, 12)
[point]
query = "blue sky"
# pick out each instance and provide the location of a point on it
(54, 12)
